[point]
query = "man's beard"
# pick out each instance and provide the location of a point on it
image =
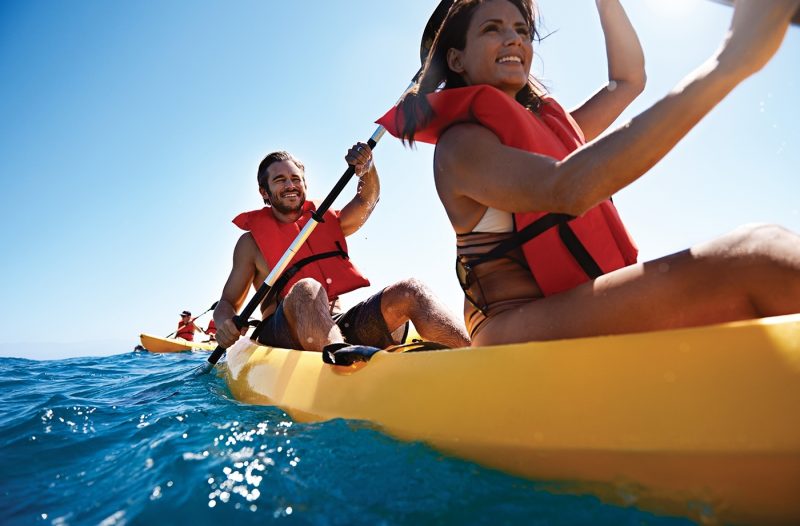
(286, 209)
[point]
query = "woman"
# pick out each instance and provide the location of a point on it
(507, 156)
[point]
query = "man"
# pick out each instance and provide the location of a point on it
(307, 314)
(186, 327)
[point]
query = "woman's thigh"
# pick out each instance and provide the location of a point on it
(745, 274)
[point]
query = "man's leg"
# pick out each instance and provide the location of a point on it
(307, 311)
(411, 299)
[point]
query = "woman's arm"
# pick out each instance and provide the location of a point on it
(626, 75)
(471, 162)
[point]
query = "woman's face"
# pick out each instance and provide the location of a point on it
(498, 48)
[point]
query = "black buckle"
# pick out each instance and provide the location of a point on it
(466, 278)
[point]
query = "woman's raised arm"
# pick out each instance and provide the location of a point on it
(471, 163)
(626, 74)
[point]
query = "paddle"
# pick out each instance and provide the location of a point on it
(795, 19)
(266, 289)
(212, 307)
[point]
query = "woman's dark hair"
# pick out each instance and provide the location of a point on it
(436, 74)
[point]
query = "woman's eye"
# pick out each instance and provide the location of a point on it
(489, 28)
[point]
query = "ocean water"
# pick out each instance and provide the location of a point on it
(137, 438)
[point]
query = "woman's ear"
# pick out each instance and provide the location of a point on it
(454, 60)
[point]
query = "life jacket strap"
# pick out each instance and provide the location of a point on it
(521, 237)
(538, 227)
(578, 251)
(289, 273)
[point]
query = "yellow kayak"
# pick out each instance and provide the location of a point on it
(161, 345)
(701, 422)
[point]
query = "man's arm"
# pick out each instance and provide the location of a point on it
(357, 211)
(235, 290)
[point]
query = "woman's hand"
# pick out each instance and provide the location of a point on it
(756, 33)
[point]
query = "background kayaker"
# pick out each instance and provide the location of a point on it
(211, 330)
(308, 314)
(186, 327)
(489, 178)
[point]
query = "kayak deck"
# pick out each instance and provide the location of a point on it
(665, 420)
(157, 344)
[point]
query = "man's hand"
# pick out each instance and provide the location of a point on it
(360, 156)
(228, 333)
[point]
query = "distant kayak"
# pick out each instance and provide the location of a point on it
(161, 345)
(700, 422)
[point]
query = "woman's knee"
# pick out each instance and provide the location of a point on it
(762, 243)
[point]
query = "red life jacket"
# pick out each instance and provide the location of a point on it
(331, 268)
(185, 331)
(565, 251)
(212, 327)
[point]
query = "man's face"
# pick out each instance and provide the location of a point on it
(287, 187)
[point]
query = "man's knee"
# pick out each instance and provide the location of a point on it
(406, 294)
(304, 293)
(411, 288)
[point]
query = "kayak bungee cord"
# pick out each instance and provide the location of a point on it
(241, 319)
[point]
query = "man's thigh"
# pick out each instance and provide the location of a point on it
(276, 331)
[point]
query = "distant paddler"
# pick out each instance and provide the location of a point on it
(211, 331)
(187, 326)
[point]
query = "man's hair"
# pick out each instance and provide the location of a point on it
(275, 157)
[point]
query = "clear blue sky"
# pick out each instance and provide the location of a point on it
(130, 133)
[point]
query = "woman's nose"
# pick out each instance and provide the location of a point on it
(511, 36)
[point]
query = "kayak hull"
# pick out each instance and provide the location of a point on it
(698, 422)
(157, 344)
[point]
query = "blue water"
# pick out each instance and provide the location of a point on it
(138, 439)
